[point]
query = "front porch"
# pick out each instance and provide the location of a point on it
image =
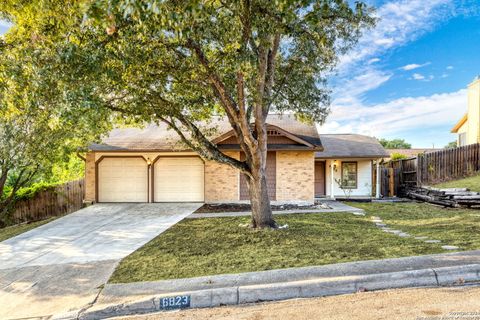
(346, 178)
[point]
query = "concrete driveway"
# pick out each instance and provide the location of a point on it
(60, 266)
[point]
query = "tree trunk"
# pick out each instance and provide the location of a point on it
(262, 216)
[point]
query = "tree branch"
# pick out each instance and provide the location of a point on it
(209, 150)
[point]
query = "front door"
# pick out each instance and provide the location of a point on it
(271, 175)
(319, 178)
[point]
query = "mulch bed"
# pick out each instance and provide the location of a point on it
(240, 207)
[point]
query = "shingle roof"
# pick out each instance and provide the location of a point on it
(159, 137)
(350, 146)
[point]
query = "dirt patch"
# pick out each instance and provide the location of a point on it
(404, 304)
(241, 207)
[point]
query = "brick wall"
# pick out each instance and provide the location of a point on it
(295, 176)
(221, 181)
(90, 177)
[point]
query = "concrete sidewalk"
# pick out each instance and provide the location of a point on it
(230, 289)
(335, 206)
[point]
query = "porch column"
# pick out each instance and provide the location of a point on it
(377, 186)
(332, 196)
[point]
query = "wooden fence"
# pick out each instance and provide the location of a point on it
(59, 200)
(429, 168)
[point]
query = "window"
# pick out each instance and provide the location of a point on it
(349, 175)
(462, 139)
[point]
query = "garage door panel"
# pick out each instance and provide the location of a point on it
(123, 180)
(179, 180)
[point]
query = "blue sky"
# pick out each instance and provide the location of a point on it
(407, 77)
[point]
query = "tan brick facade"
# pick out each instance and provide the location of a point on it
(295, 175)
(221, 181)
(90, 177)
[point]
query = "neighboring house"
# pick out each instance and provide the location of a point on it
(151, 165)
(468, 127)
(410, 153)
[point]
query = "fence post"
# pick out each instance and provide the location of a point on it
(419, 170)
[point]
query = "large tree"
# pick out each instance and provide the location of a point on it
(395, 144)
(34, 136)
(181, 62)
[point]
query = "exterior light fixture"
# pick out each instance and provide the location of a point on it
(335, 165)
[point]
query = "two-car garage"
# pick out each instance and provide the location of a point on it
(165, 179)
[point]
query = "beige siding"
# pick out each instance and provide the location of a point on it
(221, 181)
(295, 176)
(473, 128)
(90, 177)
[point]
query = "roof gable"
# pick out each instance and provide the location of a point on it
(272, 131)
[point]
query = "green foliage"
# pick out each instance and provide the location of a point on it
(141, 57)
(395, 144)
(472, 183)
(30, 192)
(72, 168)
(41, 124)
(451, 145)
(397, 156)
(94, 64)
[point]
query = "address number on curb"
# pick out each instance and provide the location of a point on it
(175, 302)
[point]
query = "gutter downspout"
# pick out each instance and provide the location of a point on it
(81, 157)
(331, 181)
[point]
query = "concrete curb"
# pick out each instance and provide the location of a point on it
(319, 287)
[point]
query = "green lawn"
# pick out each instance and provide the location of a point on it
(472, 183)
(197, 247)
(12, 231)
(458, 227)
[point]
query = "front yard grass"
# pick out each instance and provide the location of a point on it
(472, 183)
(458, 227)
(15, 230)
(198, 247)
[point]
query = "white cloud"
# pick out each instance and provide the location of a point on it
(414, 66)
(421, 77)
(400, 22)
(418, 76)
(398, 116)
(352, 90)
(449, 68)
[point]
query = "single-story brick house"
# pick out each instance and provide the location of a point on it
(151, 165)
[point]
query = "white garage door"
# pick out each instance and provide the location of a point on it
(179, 180)
(122, 180)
